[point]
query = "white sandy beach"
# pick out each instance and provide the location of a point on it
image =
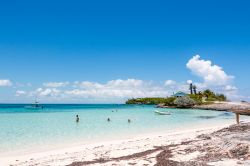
(107, 150)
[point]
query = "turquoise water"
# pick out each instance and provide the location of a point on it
(25, 129)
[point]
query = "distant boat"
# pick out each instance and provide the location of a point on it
(161, 113)
(36, 105)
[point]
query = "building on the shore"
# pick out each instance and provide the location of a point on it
(179, 94)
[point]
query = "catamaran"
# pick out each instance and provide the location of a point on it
(35, 105)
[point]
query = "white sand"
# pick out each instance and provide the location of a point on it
(89, 152)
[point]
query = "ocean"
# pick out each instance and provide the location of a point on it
(25, 130)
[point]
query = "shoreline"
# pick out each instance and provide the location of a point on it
(64, 156)
(235, 107)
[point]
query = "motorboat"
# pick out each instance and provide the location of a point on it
(161, 112)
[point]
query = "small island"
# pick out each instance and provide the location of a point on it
(204, 100)
(181, 99)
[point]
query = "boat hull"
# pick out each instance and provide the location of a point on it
(162, 113)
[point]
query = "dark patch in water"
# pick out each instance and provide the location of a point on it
(206, 117)
(226, 114)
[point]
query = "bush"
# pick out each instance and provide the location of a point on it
(211, 96)
(197, 99)
(170, 101)
(221, 97)
(147, 100)
(184, 102)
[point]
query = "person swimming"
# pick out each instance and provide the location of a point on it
(77, 119)
(129, 121)
(108, 120)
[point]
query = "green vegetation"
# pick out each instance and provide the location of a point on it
(148, 100)
(197, 98)
(170, 101)
(211, 96)
(205, 97)
(184, 102)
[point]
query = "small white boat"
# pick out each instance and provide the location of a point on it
(161, 113)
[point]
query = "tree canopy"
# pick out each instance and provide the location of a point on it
(198, 98)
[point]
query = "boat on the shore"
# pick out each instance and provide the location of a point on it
(161, 112)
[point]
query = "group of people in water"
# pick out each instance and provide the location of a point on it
(129, 121)
(78, 119)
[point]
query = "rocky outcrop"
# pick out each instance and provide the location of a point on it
(242, 108)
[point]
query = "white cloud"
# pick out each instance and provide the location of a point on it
(45, 92)
(5, 83)
(211, 74)
(55, 84)
(117, 89)
(20, 92)
(88, 85)
(170, 83)
(230, 88)
(214, 77)
(49, 92)
(114, 90)
(121, 84)
(132, 83)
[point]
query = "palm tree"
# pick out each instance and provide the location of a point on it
(194, 88)
(191, 88)
(208, 93)
(200, 94)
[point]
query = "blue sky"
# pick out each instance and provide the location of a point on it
(100, 41)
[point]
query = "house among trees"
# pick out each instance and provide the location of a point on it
(180, 94)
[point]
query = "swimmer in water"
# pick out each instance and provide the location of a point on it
(108, 120)
(129, 121)
(77, 119)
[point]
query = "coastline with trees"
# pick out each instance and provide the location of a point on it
(181, 99)
(204, 100)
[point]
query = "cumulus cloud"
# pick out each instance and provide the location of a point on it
(119, 90)
(132, 83)
(49, 92)
(5, 83)
(116, 89)
(55, 84)
(170, 83)
(230, 88)
(88, 85)
(112, 91)
(210, 73)
(121, 84)
(20, 92)
(189, 81)
(214, 77)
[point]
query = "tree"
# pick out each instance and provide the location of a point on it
(195, 88)
(208, 93)
(221, 97)
(184, 102)
(191, 88)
